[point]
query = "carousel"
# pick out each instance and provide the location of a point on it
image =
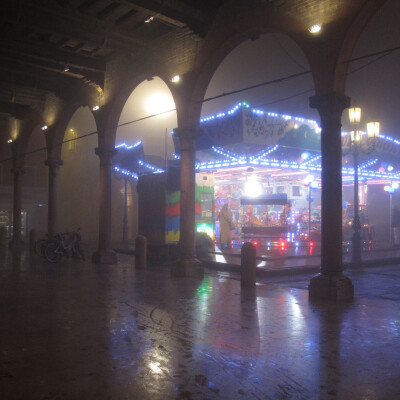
(266, 168)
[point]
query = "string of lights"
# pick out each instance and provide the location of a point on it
(288, 77)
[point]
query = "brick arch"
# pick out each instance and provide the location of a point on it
(324, 54)
(108, 116)
(231, 28)
(351, 38)
(32, 121)
(57, 132)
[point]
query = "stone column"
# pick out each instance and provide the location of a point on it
(16, 240)
(105, 254)
(331, 283)
(52, 196)
(187, 265)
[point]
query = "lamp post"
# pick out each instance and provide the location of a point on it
(359, 144)
(390, 190)
(312, 184)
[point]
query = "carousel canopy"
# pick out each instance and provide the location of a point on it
(247, 137)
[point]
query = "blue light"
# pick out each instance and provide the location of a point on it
(128, 147)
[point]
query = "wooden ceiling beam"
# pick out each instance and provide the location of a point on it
(13, 47)
(175, 13)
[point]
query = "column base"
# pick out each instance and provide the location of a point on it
(104, 257)
(326, 287)
(187, 268)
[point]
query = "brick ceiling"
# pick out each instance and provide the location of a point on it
(47, 45)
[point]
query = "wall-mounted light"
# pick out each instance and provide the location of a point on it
(315, 28)
(175, 79)
(96, 107)
(66, 68)
(44, 127)
(149, 20)
(9, 141)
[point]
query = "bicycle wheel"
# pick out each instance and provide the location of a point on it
(40, 245)
(52, 252)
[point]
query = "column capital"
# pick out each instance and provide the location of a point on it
(105, 154)
(187, 133)
(53, 163)
(187, 138)
(329, 103)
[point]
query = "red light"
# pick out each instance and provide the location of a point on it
(255, 243)
(311, 244)
(283, 244)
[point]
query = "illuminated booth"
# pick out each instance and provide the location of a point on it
(266, 167)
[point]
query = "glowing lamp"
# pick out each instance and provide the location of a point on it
(314, 184)
(9, 141)
(314, 28)
(44, 127)
(355, 115)
(96, 107)
(253, 188)
(308, 179)
(355, 136)
(305, 155)
(373, 129)
(395, 185)
(386, 188)
(176, 79)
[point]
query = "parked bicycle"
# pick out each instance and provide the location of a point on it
(41, 244)
(64, 245)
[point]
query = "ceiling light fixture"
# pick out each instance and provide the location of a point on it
(44, 127)
(66, 68)
(175, 79)
(149, 20)
(96, 107)
(315, 28)
(9, 141)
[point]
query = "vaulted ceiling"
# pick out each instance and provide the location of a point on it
(55, 45)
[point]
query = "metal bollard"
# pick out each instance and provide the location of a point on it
(32, 239)
(248, 265)
(141, 252)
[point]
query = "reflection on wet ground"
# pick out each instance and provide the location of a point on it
(75, 330)
(275, 256)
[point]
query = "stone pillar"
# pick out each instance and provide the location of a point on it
(16, 240)
(187, 265)
(105, 255)
(330, 283)
(52, 196)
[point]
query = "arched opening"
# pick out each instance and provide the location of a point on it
(143, 118)
(373, 85)
(269, 141)
(78, 194)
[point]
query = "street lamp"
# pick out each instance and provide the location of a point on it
(390, 190)
(359, 143)
(312, 184)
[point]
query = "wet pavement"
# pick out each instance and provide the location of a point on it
(284, 260)
(75, 330)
